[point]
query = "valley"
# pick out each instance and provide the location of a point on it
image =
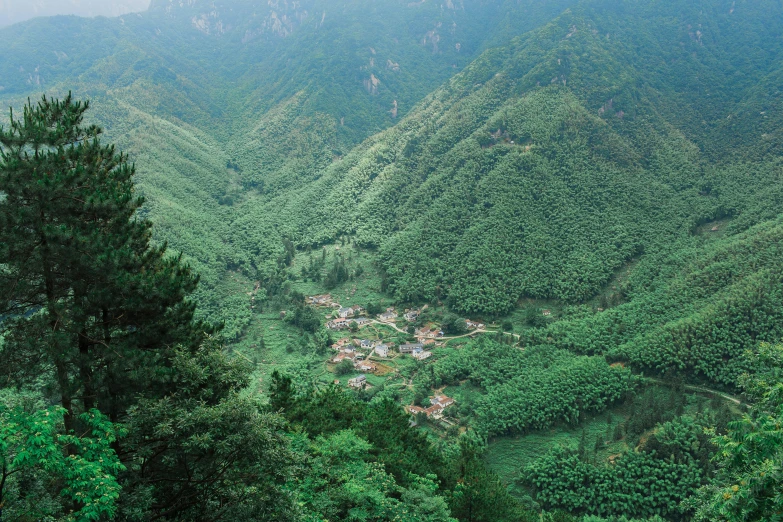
(521, 258)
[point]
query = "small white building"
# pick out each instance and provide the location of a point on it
(388, 316)
(382, 350)
(320, 300)
(420, 355)
(338, 324)
(410, 348)
(365, 366)
(358, 382)
(474, 325)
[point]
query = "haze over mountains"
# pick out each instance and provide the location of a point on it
(13, 11)
(281, 93)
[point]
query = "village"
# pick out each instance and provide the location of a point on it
(369, 354)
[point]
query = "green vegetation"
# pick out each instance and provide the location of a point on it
(695, 311)
(749, 476)
(599, 183)
(520, 395)
(639, 485)
(34, 453)
(223, 114)
(615, 164)
(368, 463)
(150, 420)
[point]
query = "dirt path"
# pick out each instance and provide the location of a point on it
(375, 321)
(469, 334)
(445, 338)
(701, 389)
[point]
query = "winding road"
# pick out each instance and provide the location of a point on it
(445, 338)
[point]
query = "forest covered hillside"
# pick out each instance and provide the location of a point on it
(213, 116)
(548, 164)
(464, 260)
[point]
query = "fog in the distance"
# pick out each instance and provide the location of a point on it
(13, 11)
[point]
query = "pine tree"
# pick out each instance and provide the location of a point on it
(102, 318)
(90, 296)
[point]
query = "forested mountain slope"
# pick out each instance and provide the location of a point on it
(603, 131)
(572, 206)
(614, 130)
(215, 99)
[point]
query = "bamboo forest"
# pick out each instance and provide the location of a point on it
(391, 260)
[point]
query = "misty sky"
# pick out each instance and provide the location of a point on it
(12, 11)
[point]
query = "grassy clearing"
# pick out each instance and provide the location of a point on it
(361, 289)
(507, 456)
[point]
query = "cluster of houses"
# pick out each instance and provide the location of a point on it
(349, 350)
(389, 316)
(343, 323)
(347, 315)
(438, 403)
(357, 350)
(428, 333)
(416, 350)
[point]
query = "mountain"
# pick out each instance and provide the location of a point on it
(548, 164)
(221, 101)
(12, 12)
(593, 187)
(578, 137)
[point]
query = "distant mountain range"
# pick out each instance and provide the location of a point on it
(490, 151)
(13, 11)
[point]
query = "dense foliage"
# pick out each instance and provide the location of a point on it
(624, 150)
(150, 422)
(750, 477)
(695, 310)
(638, 484)
(154, 421)
(548, 164)
(531, 389)
(368, 464)
(616, 160)
(34, 454)
(667, 469)
(224, 104)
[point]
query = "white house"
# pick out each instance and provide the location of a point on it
(358, 382)
(410, 348)
(388, 315)
(411, 315)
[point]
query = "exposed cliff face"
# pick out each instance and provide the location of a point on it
(279, 18)
(371, 84)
